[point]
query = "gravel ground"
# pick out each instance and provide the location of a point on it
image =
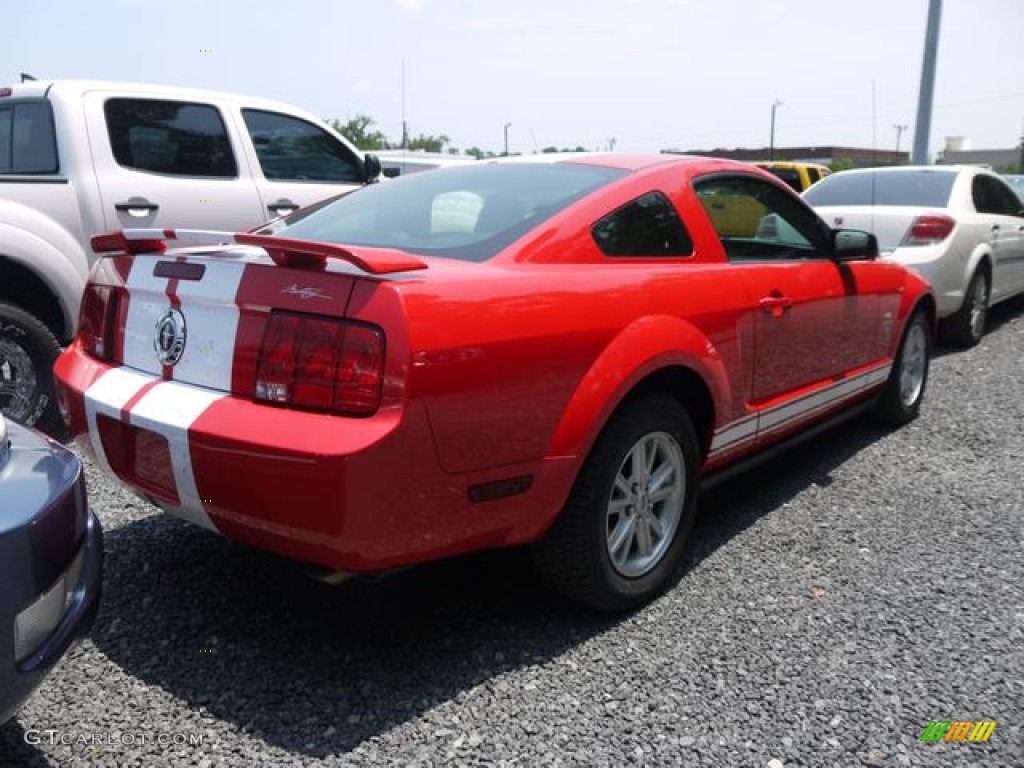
(834, 602)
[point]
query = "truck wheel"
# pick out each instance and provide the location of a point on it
(28, 351)
(622, 533)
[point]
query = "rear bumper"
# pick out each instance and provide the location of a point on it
(939, 266)
(348, 494)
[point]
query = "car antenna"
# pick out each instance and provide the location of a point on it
(874, 151)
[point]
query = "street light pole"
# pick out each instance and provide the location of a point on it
(771, 138)
(506, 138)
(899, 134)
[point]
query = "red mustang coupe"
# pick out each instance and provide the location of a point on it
(546, 352)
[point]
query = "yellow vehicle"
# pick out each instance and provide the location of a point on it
(798, 175)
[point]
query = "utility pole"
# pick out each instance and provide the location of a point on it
(923, 127)
(771, 136)
(899, 134)
(506, 138)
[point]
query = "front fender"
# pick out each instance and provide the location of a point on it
(644, 347)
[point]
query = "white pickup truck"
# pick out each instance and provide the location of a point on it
(80, 158)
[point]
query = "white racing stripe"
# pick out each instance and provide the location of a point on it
(784, 415)
(108, 395)
(169, 409)
(211, 321)
(211, 314)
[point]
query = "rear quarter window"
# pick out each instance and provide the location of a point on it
(28, 144)
(169, 137)
(647, 226)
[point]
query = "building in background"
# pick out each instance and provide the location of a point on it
(836, 158)
(959, 151)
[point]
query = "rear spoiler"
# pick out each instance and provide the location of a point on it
(285, 251)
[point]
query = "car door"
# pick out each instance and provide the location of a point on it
(299, 163)
(168, 163)
(1001, 209)
(813, 323)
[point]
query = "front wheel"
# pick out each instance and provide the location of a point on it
(28, 351)
(623, 531)
(901, 398)
(967, 326)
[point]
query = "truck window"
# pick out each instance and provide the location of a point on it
(290, 149)
(170, 137)
(27, 141)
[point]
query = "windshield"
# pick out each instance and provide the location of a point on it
(928, 188)
(467, 213)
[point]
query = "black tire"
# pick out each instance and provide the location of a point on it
(965, 328)
(574, 556)
(901, 399)
(28, 350)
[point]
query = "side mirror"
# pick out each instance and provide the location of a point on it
(854, 245)
(371, 168)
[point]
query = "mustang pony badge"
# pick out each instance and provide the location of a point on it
(169, 339)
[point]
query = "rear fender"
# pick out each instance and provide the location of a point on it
(639, 350)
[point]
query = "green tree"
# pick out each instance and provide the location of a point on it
(478, 153)
(361, 130)
(429, 143)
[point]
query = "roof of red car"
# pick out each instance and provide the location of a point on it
(626, 161)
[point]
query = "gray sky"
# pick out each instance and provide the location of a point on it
(649, 73)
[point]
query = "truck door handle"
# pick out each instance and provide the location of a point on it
(282, 206)
(775, 304)
(995, 227)
(136, 206)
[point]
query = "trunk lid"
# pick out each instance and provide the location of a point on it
(889, 223)
(198, 316)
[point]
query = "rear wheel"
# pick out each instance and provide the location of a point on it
(28, 351)
(623, 531)
(901, 398)
(967, 326)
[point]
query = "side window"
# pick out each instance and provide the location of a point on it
(290, 149)
(647, 226)
(757, 221)
(812, 176)
(171, 137)
(27, 141)
(1009, 203)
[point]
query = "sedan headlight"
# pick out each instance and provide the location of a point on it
(37, 622)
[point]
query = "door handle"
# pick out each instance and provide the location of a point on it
(995, 227)
(136, 206)
(282, 206)
(775, 305)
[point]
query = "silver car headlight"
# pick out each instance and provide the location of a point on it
(37, 622)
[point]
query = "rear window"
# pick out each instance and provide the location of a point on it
(789, 175)
(171, 137)
(912, 187)
(467, 213)
(27, 141)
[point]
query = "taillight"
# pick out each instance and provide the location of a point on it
(321, 364)
(99, 318)
(928, 230)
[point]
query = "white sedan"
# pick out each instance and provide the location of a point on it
(961, 227)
